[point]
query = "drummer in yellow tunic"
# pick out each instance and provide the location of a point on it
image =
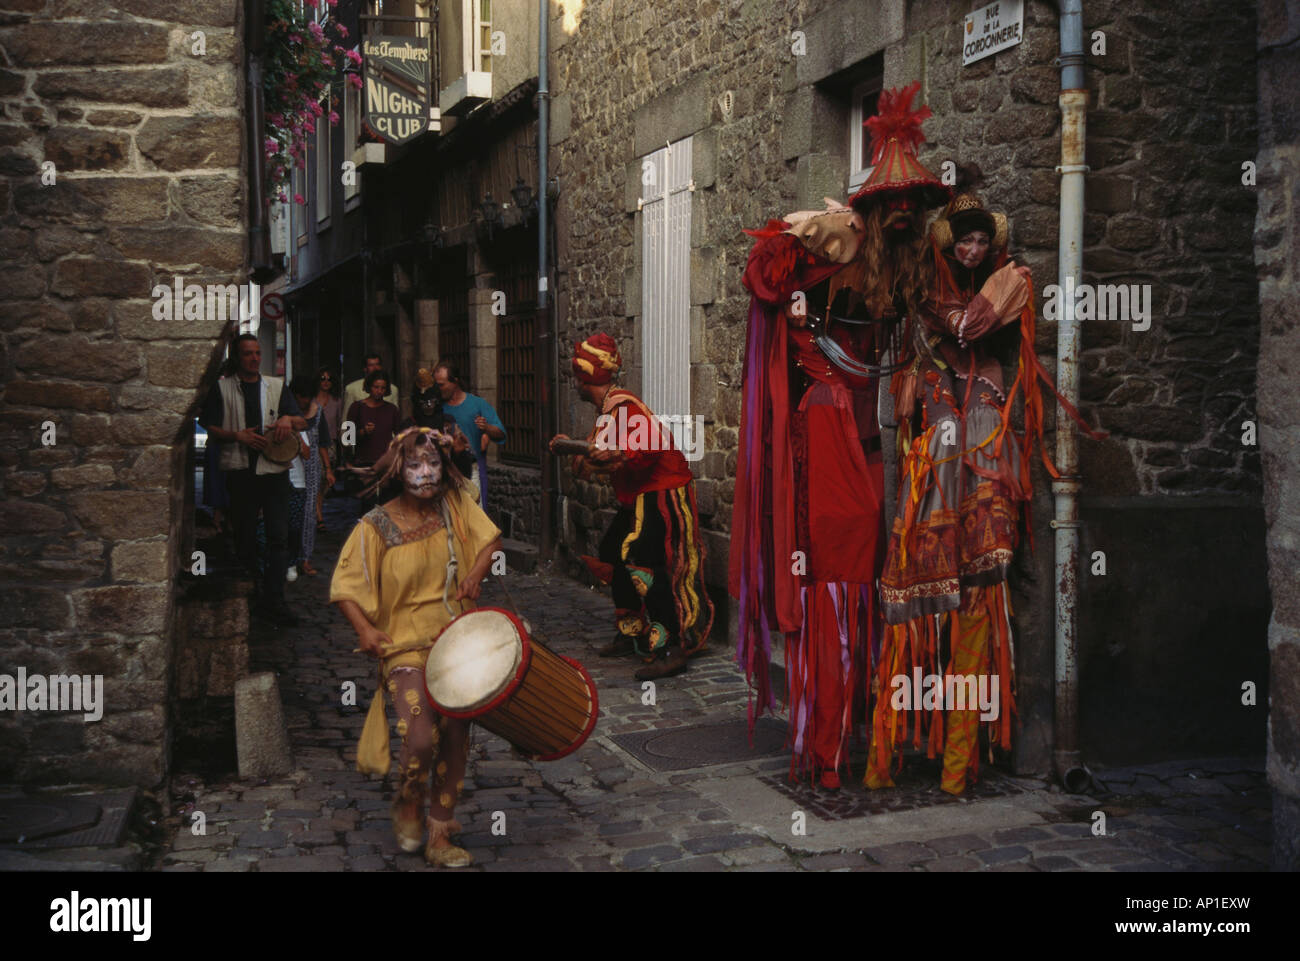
(410, 566)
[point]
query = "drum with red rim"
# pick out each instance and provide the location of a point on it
(484, 665)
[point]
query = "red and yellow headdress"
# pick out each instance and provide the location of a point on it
(895, 136)
(596, 360)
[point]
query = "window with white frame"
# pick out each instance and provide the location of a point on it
(324, 167)
(297, 184)
(351, 131)
(863, 103)
(666, 279)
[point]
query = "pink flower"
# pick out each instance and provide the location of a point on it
(334, 116)
(316, 31)
(315, 108)
(343, 31)
(295, 38)
(309, 125)
(282, 197)
(333, 3)
(310, 3)
(271, 146)
(299, 199)
(277, 119)
(354, 57)
(354, 81)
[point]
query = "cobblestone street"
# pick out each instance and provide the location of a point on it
(669, 805)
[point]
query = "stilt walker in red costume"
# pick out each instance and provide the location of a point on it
(830, 289)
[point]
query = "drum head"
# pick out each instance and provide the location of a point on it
(474, 659)
(282, 451)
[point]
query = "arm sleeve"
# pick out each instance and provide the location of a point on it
(356, 576)
(288, 405)
(482, 531)
(492, 418)
(351, 417)
(211, 413)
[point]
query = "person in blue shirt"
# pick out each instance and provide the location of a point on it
(475, 417)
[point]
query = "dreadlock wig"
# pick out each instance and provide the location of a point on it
(389, 467)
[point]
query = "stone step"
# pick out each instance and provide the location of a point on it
(521, 557)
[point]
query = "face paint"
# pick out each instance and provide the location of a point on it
(971, 249)
(422, 473)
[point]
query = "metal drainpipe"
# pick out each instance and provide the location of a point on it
(545, 319)
(1074, 106)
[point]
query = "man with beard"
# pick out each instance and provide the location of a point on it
(829, 291)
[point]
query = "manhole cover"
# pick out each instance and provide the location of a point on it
(65, 822)
(916, 786)
(30, 818)
(680, 748)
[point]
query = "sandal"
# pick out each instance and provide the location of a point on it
(446, 855)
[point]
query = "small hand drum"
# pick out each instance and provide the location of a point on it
(484, 666)
(282, 451)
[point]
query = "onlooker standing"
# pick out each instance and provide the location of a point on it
(357, 390)
(327, 396)
(317, 471)
(426, 402)
(241, 411)
(375, 421)
(473, 415)
(297, 506)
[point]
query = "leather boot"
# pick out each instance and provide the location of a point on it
(674, 663)
(620, 646)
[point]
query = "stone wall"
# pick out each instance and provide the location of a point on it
(1277, 255)
(517, 491)
(1171, 119)
(145, 140)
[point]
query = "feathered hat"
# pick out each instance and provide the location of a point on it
(895, 137)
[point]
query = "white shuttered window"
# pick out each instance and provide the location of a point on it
(666, 280)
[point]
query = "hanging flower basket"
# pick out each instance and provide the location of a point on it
(304, 59)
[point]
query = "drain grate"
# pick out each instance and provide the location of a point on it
(917, 786)
(702, 745)
(88, 820)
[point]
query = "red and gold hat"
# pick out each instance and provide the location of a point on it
(596, 360)
(895, 137)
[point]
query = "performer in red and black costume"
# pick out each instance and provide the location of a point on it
(830, 291)
(653, 553)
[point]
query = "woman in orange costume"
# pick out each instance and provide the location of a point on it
(962, 477)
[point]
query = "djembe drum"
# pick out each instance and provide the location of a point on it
(484, 666)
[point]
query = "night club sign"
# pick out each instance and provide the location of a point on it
(397, 86)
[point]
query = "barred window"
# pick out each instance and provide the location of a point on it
(516, 359)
